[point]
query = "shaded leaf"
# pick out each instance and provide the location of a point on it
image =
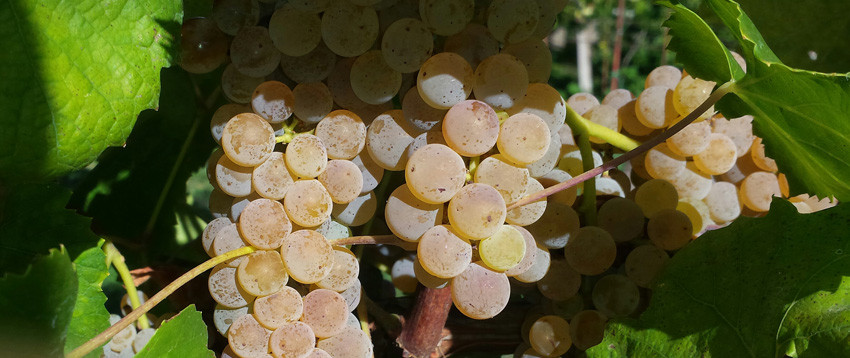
(757, 288)
(75, 76)
(36, 307)
(184, 336)
(90, 316)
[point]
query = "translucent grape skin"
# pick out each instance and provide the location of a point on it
(446, 17)
(530, 254)
(477, 211)
(406, 45)
(247, 337)
(313, 101)
(669, 229)
(622, 218)
(253, 52)
(263, 224)
(343, 134)
(388, 138)
(550, 335)
(273, 101)
(500, 81)
(272, 179)
(435, 173)
(262, 273)
(480, 293)
(561, 282)
(512, 21)
(203, 47)
(503, 250)
(306, 254)
(587, 328)
(443, 253)
(306, 156)
(471, 128)
(523, 138)
(373, 80)
(343, 181)
(279, 308)
(326, 312)
(349, 30)
(247, 139)
(295, 32)
(444, 80)
(644, 263)
(408, 217)
(591, 251)
(308, 203)
(294, 339)
(615, 296)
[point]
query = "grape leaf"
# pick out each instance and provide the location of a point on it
(90, 316)
(184, 336)
(75, 75)
(759, 288)
(33, 219)
(803, 116)
(36, 307)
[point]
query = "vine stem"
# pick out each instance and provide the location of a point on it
(114, 258)
(376, 239)
(579, 126)
(110, 332)
(710, 101)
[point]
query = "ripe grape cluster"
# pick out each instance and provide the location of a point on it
(328, 95)
(132, 339)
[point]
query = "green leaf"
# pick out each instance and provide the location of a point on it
(75, 75)
(695, 43)
(33, 219)
(757, 288)
(90, 316)
(804, 117)
(36, 307)
(184, 336)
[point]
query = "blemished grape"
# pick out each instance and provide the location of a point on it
(232, 15)
(474, 43)
(692, 182)
(343, 181)
(358, 211)
(628, 118)
(722, 202)
(549, 10)
(307, 255)
(617, 98)
(123, 341)
(372, 173)
(615, 296)
(663, 163)
(306, 156)
(279, 308)
(262, 273)
(669, 229)
(434, 136)
(622, 218)
(690, 93)
(295, 32)
(388, 138)
(349, 30)
(373, 80)
(342, 133)
(697, 212)
(644, 264)
(523, 138)
(239, 204)
(479, 292)
(308, 203)
(318, 353)
(427, 279)
(654, 107)
(555, 176)
(313, 101)
(535, 54)
(222, 115)
(247, 139)
(609, 186)
(471, 128)
(203, 47)
(403, 275)
(740, 130)
(529, 256)
(294, 339)
(529, 213)
(272, 179)
(210, 231)
(419, 114)
(352, 342)
(443, 253)
(550, 336)
(345, 270)
(352, 295)
(446, 17)
(253, 53)
(758, 190)
(504, 250)
(656, 195)
(408, 217)
(605, 116)
(477, 211)
(691, 140)
(228, 239)
(510, 180)
(224, 289)
(406, 45)
(556, 227)
(538, 268)
(238, 87)
(587, 328)
(326, 312)
(435, 173)
(664, 76)
(444, 80)
(512, 21)
(720, 155)
(312, 67)
(590, 251)
(263, 224)
(582, 102)
(560, 282)
(273, 101)
(500, 81)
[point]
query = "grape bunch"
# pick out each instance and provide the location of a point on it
(328, 95)
(132, 339)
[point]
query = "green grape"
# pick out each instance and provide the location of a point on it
(427, 279)
(373, 80)
(352, 295)
(556, 226)
(477, 211)
(444, 80)
(446, 17)
(203, 47)
(349, 30)
(252, 52)
(228, 239)
(510, 180)
(273, 101)
(471, 128)
(247, 139)
(310, 6)
(332, 230)
(308, 203)
(295, 32)
(501, 81)
(435, 173)
(538, 269)
(759, 159)
(236, 86)
(123, 341)
(219, 203)
(419, 114)
(582, 102)
(345, 270)
(622, 218)
(535, 55)
(740, 130)
(403, 275)
(343, 133)
(691, 140)
(222, 115)
(239, 204)
(722, 201)
(523, 138)
(232, 15)
(656, 195)
(294, 339)
(664, 76)
(662, 163)
(654, 107)
(224, 289)
(142, 338)
(326, 312)
(406, 45)
(504, 250)
(549, 161)
(609, 186)
(560, 282)
(262, 273)
(307, 256)
(408, 217)
(306, 156)
(371, 172)
(548, 16)
(529, 213)
(357, 212)
(690, 93)
(692, 182)
(617, 98)
(615, 296)
(313, 101)
(605, 116)
(587, 329)
(443, 253)
(697, 212)
(529, 255)
(591, 250)
(387, 139)
(223, 317)
(279, 308)
(474, 43)
(644, 264)
(272, 179)
(567, 308)
(631, 124)
(343, 181)
(669, 229)
(318, 353)
(512, 21)
(720, 155)
(263, 224)
(571, 162)
(758, 190)
(352, 342)
(480, 293)
(555, 176)
(312, 67)
(210, 231)
(550, 336)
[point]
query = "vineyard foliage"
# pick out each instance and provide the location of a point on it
(78, 74)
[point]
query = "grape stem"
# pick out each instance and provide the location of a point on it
(372, 240)
(289, 132)
(710, 101)
(110, 332)
(580, 128)
(473, 165)
(114, 258)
